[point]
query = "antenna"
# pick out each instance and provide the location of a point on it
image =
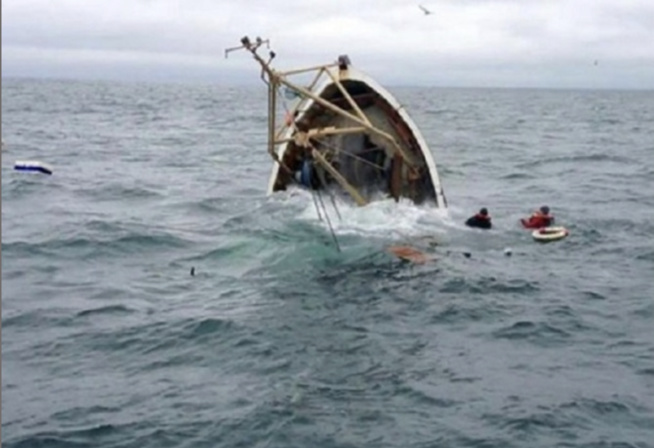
(248, 45)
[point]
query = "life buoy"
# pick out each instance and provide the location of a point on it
(547, 234)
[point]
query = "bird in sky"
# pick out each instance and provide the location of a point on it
(425, 10)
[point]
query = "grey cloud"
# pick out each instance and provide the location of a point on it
(547, 42)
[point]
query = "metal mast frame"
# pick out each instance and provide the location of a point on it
(274, 79)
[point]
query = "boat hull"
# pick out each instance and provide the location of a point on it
(382, 109)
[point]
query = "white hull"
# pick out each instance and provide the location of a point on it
(351, 74)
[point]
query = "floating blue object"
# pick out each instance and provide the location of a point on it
(32, 165)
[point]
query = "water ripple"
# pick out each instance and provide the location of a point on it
(153, 296)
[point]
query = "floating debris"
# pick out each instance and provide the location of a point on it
(407, 253)
(32, 165)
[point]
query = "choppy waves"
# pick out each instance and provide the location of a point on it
(284, 337)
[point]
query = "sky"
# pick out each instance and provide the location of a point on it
(463, 43)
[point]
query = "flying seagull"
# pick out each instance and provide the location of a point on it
(425, 10)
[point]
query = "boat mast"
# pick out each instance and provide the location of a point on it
(269, 77)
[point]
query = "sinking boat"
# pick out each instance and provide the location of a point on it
(345, 135)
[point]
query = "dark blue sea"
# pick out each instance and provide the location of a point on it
(282, 340)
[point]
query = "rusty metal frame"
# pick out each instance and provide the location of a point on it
(274, 79)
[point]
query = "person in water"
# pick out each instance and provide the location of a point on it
(481, 220)
(539, 219)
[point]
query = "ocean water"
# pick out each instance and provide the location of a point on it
(282, 340)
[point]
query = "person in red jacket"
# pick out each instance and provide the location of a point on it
(539, 219)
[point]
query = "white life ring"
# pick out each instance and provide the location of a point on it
(550, 234)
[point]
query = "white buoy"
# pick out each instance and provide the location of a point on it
(547, 234)
(32, 165)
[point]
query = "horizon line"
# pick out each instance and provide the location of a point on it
(223, 84)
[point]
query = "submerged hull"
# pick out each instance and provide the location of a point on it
(394, 161)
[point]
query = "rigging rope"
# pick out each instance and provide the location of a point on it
(317, 191)
(321, 178)
(329, 222)
(331, 196)
(347, 153)
(315, 203)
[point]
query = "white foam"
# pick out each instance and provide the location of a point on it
(383, 218)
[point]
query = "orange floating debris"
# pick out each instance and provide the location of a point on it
(409, 254)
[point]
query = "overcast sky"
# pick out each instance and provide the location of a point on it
(505, 43)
